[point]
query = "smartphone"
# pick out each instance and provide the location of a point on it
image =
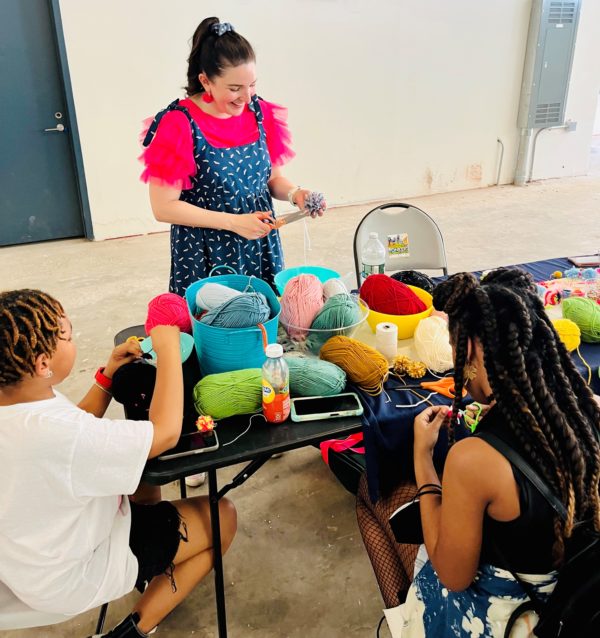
(192, 443)
(316, 408)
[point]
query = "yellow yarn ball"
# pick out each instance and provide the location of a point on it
(569, 333)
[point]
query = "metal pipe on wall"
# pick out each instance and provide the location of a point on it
(501, 159)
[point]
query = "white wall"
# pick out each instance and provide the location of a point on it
(596, 130)
(387, 99)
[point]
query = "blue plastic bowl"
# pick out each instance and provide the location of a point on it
(322, 274)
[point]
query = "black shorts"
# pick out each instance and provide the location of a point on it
(156, 531)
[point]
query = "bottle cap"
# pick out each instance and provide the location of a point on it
(374, 235)
(274, 350)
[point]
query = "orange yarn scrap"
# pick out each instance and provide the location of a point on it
(363, 365)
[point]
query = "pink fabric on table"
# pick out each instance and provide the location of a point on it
(169, 158)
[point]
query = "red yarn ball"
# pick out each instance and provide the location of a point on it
(384, 294)
(168, 309)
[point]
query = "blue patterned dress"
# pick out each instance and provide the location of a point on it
(229, 180)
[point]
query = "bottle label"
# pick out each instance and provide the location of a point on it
(276, 405)
(368, 269)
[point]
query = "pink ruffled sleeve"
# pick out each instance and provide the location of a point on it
(169, 159)
(279, 138)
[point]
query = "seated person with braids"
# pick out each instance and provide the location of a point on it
(487, 518)
(69, 539)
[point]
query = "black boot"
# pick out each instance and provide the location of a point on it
(125, 629)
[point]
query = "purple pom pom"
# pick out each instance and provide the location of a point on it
(314, 203)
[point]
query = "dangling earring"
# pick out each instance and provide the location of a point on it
(48, 374)
(469, 372)
(207, 98)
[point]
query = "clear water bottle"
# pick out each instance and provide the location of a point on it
(372, 257)
(275, 385)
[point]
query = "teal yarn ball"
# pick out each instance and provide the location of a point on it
(314, 377)
(243, 311)
(586, 314)
(229, 393)
(339, 311)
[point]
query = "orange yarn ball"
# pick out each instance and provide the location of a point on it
(363, 365)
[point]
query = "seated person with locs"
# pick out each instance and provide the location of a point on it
(487, 520)
(69, 539)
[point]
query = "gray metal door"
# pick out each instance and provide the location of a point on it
(39, 198)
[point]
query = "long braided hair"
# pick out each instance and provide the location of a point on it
(29, 326)
(538, 390)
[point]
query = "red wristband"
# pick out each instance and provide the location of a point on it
(102, 380)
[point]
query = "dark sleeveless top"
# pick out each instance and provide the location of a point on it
(525, 542)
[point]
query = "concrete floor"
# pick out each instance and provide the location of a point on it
(297, 567)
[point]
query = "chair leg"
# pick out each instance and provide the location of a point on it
(101, 618)
(182, 488)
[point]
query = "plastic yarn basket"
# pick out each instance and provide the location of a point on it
(322, 274)
(226, 349)
(407, 324)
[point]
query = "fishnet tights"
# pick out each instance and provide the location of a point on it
(393, 563)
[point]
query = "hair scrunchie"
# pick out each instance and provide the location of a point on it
(221, 27)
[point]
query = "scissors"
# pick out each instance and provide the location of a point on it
(443, 386)
(283, 220)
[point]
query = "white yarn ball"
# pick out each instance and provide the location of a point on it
(432, 343)
(212, 295)
(334, 287)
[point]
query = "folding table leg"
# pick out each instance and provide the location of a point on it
(213, 495)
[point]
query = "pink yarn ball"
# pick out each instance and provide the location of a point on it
(301, 301)
(168, 309)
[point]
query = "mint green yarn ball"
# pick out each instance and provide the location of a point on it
(338, 312)
(314, 377)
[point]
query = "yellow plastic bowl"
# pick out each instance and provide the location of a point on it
(407, 324)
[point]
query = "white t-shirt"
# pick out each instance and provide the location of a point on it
(64, 528)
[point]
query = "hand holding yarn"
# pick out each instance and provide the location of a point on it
(427, 426)
(122, 354)
(312, 202)
(168, 309)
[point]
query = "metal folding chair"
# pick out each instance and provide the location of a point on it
(425, 249)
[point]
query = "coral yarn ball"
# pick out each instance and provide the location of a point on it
(391, 297)
(168, 309)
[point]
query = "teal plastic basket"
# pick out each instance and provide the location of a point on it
(225, 349)
(322, 274)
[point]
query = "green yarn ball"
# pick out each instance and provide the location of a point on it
(229, 393)
(313, 377)
(586, 314)
(338, 312)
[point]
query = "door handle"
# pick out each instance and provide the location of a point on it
(59, 127)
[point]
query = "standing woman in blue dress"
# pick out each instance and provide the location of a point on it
(213, 163)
